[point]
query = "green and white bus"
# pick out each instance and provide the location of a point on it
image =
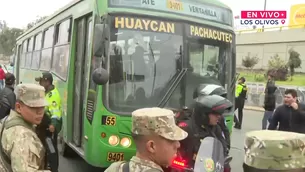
(151, 52)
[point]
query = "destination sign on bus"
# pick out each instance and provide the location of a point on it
(209, 33)
(145, 24)
(184, 7)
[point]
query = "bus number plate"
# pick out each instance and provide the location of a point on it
(108, 120)
(114, 157)
(175, 5)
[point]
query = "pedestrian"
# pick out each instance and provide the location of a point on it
(2, 77)
(270, 82)
(21, 149)
(274, 151)
(156, 137)
(54, 111)
(7, 96)
(290, 116)
(269, 105)
(240, 98)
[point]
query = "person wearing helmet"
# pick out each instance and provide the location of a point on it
(206, 113)
(213, 89)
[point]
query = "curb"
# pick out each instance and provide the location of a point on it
(254, 108)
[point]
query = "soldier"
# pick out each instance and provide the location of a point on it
(156, 137)
(54, 111)
(274, 151)
(21, 149)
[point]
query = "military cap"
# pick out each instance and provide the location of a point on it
(32, 95)
(275, 150)
(155, 120)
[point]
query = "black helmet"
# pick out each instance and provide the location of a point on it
(209, 89)
(204, 105)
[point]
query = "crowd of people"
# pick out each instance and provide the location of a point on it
(30, 121)
(29, 110)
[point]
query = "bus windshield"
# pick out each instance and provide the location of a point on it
(142, 65)
(146, 62)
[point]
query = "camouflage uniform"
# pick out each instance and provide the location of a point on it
(275, 150)
(148, 121)
(20, 142)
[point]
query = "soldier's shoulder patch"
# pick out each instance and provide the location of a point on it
(50, 94)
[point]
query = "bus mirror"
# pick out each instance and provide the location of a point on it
(100, 76)
(100, 39)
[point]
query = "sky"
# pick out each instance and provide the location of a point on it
(28, 10)
(18, 13)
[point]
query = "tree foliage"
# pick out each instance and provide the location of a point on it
(278, 68)
(8, 38)
(294, 61)
(250, 61)
(37, 20)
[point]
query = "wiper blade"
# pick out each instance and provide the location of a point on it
(155, 67)
(234, 80)
(172, 88)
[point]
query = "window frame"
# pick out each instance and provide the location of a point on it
(38, 50)
(43, 48)
(55, 45)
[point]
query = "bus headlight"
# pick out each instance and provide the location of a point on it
(113, 140)
(125, 142)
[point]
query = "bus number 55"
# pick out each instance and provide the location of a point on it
(110, 120)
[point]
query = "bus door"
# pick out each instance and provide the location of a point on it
(81, 70)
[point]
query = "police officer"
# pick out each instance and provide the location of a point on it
(21, 149)
(213, 89)
(53, 110)
(203, 123)
(274, 151)
(240, 98)
(157, 139)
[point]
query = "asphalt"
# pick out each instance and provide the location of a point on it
(252, 121)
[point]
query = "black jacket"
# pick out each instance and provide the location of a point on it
(7, 101)
(270, 99)
(289, 119)
(190, 146)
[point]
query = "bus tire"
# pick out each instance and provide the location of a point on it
(64, 149)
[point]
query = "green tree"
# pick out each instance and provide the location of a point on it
(36, 21)
(8, 38)
(278, 68)
(250, 61)
(294, 61)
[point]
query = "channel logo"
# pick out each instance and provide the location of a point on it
(262, 18)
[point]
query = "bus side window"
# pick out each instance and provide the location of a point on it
(46, 52)
(29, 52)
(37, 52)
(60, 62)
(23, 53)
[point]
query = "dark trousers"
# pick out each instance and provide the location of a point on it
(239, 104)
(53, 159)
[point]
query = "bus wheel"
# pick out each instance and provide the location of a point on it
(64, 149)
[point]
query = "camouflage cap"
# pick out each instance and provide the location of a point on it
(275, 150)
(32, 95)
(155, 120)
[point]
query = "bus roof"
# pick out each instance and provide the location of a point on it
(217, 3)
(214, 2)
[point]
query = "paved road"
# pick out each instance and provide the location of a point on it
(252, 121)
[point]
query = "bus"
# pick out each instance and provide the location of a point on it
(111, 57)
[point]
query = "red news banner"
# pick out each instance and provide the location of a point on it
(263, 17)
